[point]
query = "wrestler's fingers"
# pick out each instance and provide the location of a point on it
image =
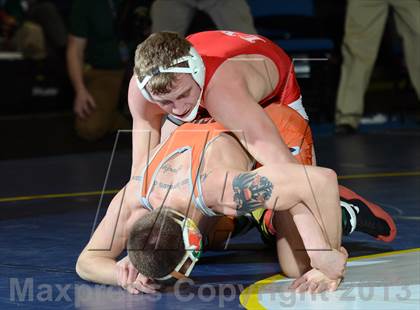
(142, 278)
(132, 274)
(151, 283)
(333, 286)
(147, 282)
(132, 290)
(321, 287)
(297, 282)
(143, 288)
(302, 288)
(313, 287)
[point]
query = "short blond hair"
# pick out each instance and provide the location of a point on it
(160, 49)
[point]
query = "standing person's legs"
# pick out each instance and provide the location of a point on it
(172, 15)
(365, 22)
(104, 86)
(234, 15)
(407, 20)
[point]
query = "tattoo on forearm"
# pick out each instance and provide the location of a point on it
(251, 191)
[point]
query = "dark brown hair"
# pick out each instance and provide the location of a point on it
(155, 245)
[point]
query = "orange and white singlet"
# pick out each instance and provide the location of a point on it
(195, 138)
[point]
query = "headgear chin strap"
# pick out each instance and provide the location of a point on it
(193, 241)
(195, 67)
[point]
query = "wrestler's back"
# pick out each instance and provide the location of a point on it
(172, 183)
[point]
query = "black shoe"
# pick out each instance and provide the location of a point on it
(344, 129)
(362, 219)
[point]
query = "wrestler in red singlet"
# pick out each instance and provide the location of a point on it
(216, 47)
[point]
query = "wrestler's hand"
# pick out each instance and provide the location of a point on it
(131, 280)
(84, 104)
(331, 263)
(314, 281)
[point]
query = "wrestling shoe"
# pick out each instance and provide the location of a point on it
(367, 217)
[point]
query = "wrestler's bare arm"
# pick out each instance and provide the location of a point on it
(317, 245)
(232, 104)
(277, 187)
(147, 119)
(97, 262)
(282, 187)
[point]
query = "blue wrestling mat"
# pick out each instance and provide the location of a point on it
(49, 208)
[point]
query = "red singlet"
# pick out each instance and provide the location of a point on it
(215, 47)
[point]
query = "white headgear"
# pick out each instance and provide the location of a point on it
(195, 67)
(193, 242)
